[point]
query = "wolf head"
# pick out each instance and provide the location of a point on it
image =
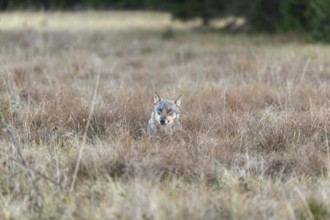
(166, 112)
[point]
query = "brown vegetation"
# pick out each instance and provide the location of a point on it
(255, 116)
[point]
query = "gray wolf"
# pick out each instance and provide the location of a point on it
(165, 118)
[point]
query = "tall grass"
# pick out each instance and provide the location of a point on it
(74, 104)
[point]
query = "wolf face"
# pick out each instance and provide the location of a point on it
(165, 116)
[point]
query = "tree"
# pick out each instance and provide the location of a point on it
(320, 20)
(295, 16)
(190, 9)
(261, 15)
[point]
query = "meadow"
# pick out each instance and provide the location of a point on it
(76, 92)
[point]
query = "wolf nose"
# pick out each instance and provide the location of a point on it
(162, 122)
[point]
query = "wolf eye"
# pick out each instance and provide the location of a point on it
(159, 111)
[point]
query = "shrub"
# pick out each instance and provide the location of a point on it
(262, 15)
(320, 20)
(299, 16)
(185, 10)
(295, 16)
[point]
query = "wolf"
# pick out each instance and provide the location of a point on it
(165, 118)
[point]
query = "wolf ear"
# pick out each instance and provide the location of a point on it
(177, 102)
(156, 98)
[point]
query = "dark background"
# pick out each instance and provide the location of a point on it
(308, 17)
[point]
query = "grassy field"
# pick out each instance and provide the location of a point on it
(76, 91)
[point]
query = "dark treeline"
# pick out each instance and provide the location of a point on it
(70, 4)
(297, 16)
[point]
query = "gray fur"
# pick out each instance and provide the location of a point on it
(165, 118)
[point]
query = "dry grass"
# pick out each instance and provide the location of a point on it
(255, 115)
